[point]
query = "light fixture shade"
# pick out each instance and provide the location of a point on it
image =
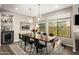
(38, 18)
(39, 15)
(30, 18)
(37, 25)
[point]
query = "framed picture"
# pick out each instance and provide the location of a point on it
(24, 26)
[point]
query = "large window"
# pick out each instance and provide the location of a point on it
(42, 27)
(60, 27)
(64, 28)
(52, 27)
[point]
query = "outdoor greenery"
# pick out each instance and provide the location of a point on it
(61, 28)
(42, 27)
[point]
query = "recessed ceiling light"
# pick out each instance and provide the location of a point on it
(16, 8)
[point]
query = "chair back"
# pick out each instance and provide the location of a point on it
(44, 36)
(39, 33)
(28, 39)
(51, 34)
(38, 36)
(58, 48)
(23, 37)
(36, 43)
(20, 36)
(57, 42)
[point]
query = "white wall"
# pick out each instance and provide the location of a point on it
(17, 18)
(0, 28)
(75, 27)
(63, 13)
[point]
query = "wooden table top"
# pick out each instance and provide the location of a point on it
(50, 38)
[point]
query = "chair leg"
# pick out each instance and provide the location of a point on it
(34, 50)
(25, 48)
(31, 49)
(41, 51)
(21, 44)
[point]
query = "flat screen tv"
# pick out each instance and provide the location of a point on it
(77, 19)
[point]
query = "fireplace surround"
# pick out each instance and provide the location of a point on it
(7, 37)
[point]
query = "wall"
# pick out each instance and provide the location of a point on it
(17, 18)
(0, 28)
(63, 13)
(75, 27)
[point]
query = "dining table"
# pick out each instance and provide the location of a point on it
(49, 39)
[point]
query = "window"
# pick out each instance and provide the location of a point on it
(52, 27)
(60, 27)
(42, 27)
(64, 28)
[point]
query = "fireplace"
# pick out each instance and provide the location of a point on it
(7, 37)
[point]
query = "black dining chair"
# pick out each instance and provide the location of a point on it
(38, 45)
(44, 36)
(30, 42)
(51, 34)
(44, 33)
(39, 33)
(20, 39)
(24, 39)
(20, 36)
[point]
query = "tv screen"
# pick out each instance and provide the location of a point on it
(76, 19)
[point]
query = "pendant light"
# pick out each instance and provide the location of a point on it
(30, 18)
(39, 14)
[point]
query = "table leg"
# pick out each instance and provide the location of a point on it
(46, 48)
(36, 50)
(24, 45)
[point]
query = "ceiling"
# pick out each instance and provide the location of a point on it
(24, 8)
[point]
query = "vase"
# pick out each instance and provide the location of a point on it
(34, 34)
